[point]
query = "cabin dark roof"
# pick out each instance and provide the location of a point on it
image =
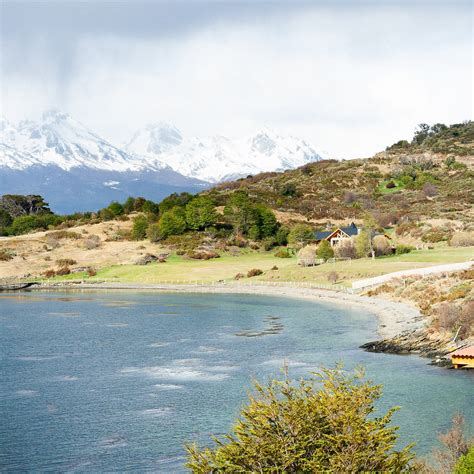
(350, 231)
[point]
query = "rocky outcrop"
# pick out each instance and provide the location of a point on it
(415, 342)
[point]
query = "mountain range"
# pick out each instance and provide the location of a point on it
(76, 169)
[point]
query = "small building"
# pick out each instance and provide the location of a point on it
(335, 236)
(463, 358)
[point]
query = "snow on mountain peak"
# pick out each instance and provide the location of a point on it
(59, 140)
(217, 158)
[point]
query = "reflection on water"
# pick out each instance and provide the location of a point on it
(95, 382)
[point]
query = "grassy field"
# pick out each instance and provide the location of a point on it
(180, 270)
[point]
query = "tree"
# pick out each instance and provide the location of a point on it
(174, 200)
(139, 228)
(153, 232)
(172, 222)
(129, 205)
(106, 214)
(362, 244)
(324, 424)
(150, 207)
(267, 221)
(300, 235)
(6, 220)
(240, 212)
(281, 235)
(116, 208)
(200, 213)
(325, 251)
(370, 226)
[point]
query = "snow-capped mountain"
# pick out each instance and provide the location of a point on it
(76, 169)
(218, 158)
(61, 141)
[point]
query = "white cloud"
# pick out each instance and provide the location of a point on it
(350, 81)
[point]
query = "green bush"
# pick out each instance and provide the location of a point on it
(200, 213)
(465, 465)
(325, 251)
(324, 424)
(282, 253)
(173, 222)
(402, 249)
(153, 232)
(139, 228)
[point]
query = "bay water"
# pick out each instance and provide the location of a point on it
(120, 380)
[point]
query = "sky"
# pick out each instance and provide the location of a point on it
(349, 77)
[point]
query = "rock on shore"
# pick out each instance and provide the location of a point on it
(415, 342)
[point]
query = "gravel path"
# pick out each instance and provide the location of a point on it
(449, 267)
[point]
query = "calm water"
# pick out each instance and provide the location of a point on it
(118, 381)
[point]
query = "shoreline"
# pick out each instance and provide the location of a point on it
(393, 317)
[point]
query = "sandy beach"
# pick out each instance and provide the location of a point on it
(394, 317)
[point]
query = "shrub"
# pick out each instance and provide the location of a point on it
(202, 254)
(6, 255)
(430, 190)
(239, 276)
(153, 232)
(63, 271)
(307, 256)
(345, 249)
(462, 239)
(350, 197)
(402, 248)
(281, 235)
(282, 253)
(323, 424)
(274, 267)
(139, 228)
(324, 250)
(436, 235)
(382, 246)
(333, 277)
(63, 234)
(254, 272)
(65, 262)
(454, 446)
(451, 318)
(268, 243)
(92, 242)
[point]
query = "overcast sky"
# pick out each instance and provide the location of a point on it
(348, 76)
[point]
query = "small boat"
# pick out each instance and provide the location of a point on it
(16, 286)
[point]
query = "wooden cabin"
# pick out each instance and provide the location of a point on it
(338, 234)
(463, 358)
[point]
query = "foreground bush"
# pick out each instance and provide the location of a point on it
(324, 424)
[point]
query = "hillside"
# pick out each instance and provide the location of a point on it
(433, 179)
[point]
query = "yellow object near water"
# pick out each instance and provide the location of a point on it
(463, 358)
